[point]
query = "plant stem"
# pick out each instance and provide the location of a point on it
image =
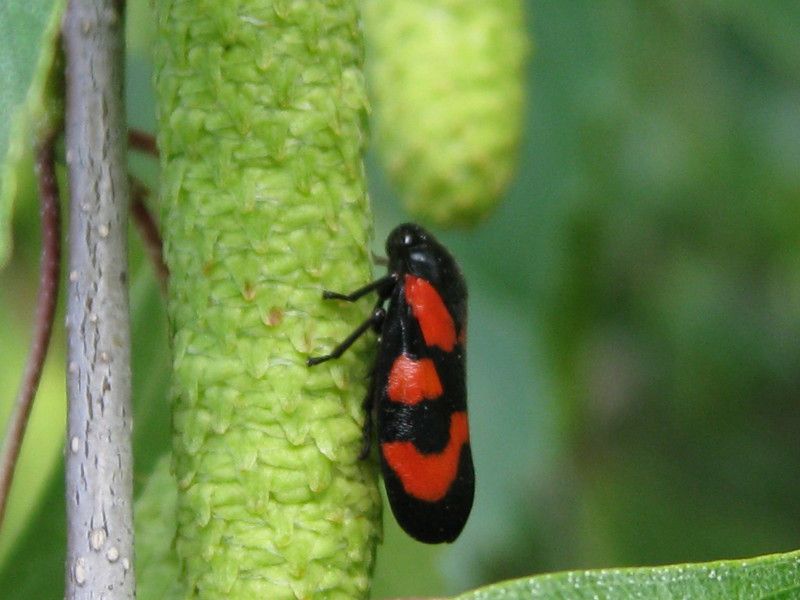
(99, 462)
(45, 311)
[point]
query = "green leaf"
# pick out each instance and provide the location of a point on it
(30, 97)
(787, 594)
(43, 444)
(774, 576)
(157, 569)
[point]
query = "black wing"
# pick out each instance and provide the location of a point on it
(423, 435)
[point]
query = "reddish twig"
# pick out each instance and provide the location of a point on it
(148, 229)
(142, 141)
(45, 312)
(145, 223)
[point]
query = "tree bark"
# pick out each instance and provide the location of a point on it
(99, 462)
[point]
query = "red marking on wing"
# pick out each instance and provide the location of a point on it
(428, 476)
(412, 381)
(429, 310)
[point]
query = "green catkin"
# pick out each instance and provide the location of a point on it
(262, 108)
(446, 79)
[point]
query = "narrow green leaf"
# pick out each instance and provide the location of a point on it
(43, 444)
(774, 576)
(157, 569)
(30, 97)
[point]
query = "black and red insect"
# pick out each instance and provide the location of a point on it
(418, 386)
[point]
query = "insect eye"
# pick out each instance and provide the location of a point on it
(408, 239)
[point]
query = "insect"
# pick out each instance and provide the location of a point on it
(418, 386)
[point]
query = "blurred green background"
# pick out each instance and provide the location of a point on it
(634, 360)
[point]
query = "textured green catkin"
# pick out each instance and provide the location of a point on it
(446, 78)
(261, 108)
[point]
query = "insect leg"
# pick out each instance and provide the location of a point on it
(374, 321)
(381, 261)
(384, 286)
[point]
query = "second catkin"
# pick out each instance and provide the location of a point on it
(446, 79)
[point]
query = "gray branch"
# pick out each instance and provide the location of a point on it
(99, 463)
